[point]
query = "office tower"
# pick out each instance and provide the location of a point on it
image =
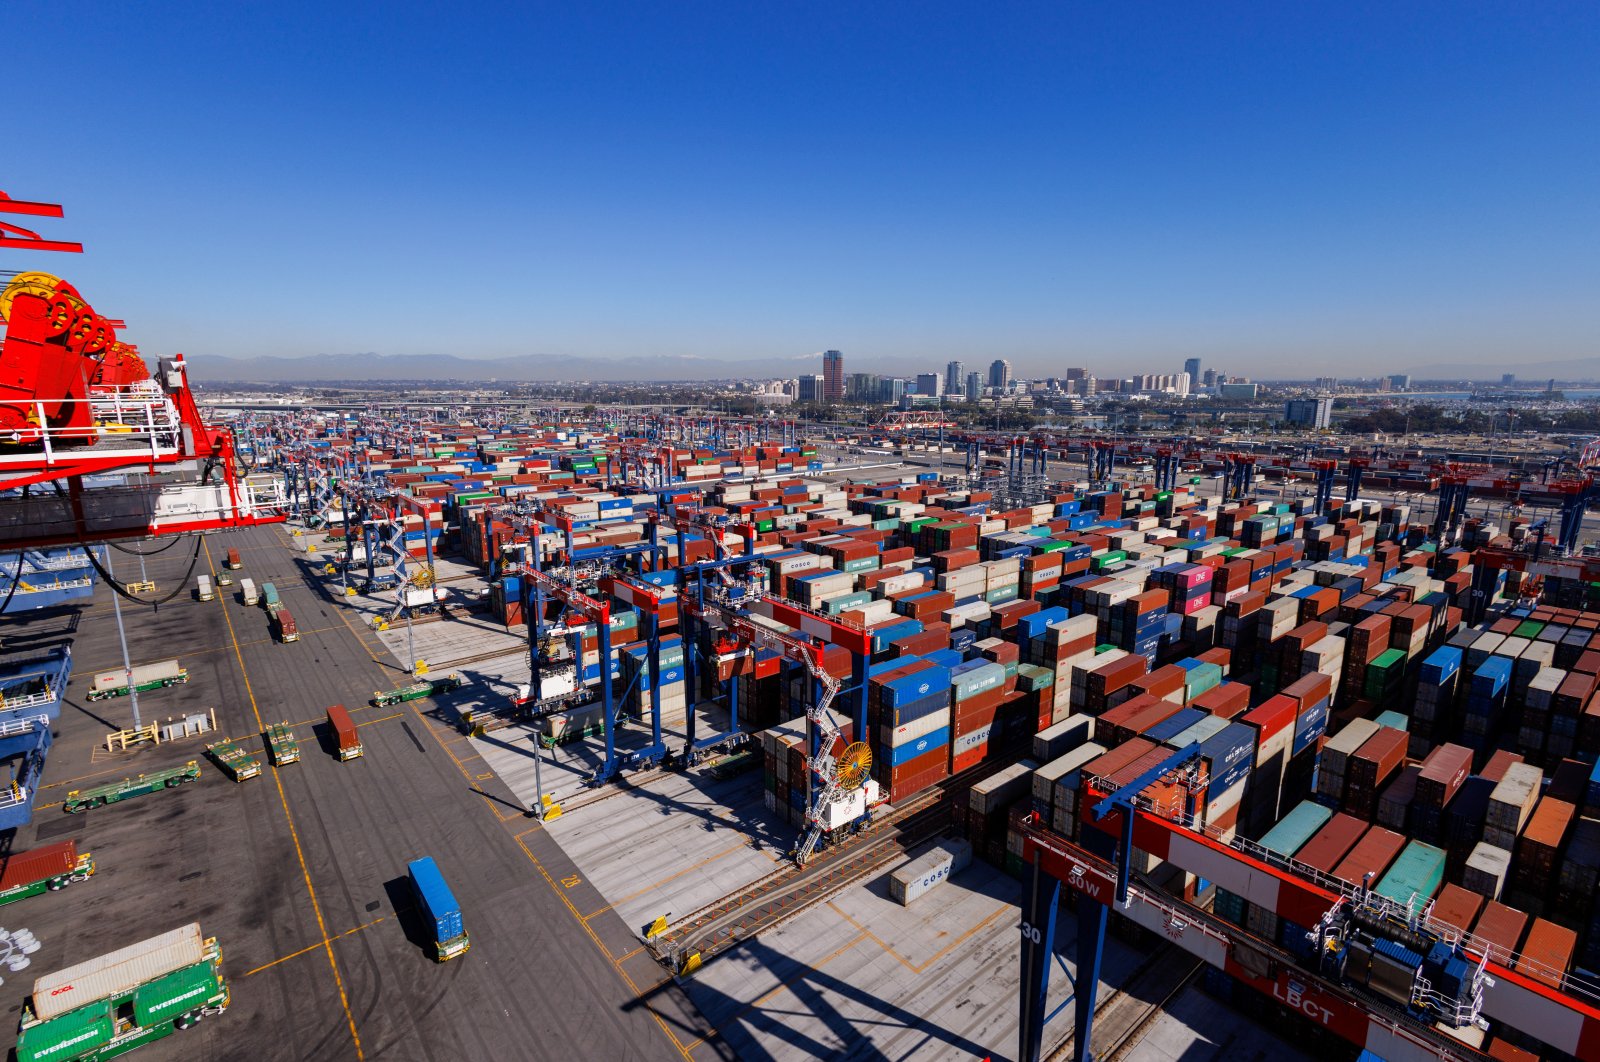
(930, 383)
(832, 376)
(954, 378)
(1309, 412)
(811, 388)
(1192, 367)
(1000, 374)
(974, 386)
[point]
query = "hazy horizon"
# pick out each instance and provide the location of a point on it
(1380, 189)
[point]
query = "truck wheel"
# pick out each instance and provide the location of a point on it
(56, 885)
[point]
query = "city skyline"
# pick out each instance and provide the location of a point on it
(1393, 189)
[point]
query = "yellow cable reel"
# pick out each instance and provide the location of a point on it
(43, 285)
(854, 765)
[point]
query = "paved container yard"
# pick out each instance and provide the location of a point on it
(301, 873)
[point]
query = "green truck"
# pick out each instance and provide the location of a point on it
(416, 691)
(112, 1004)
(142, 678)
(235, 762)
(47, 869)
(281, 744)
(83, 799)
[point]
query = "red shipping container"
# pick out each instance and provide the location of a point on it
(1500, 929)
(1457, 907)
(1443, 772)
(1224, 702)
(25, 868)
(1310, 689)
(916, 767)
(1371, 855)
(1329, 845)
(1547, 953)
(1499, 763)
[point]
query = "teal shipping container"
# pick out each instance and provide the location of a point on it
(1415, 876)
(1296, 828)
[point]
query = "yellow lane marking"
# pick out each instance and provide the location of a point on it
(294, 835)
(313, 947)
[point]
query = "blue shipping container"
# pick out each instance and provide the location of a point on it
(1308, 726)
(439, 906)
(899, 754)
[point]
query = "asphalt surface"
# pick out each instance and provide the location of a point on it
(300, 873)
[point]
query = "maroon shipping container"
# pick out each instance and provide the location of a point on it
(1458, 907)
(910, 785)
(1133, 717)
(1332, 843)
(1310, 689)
(344, 731)
(1501, 762)
(1118, 758)
(1502, 1051)
(287, 630)
(1371, 766)
(917, 767)
(1539, 847)
(1443, 772)
(1224, 702)
(1500, 929)
(1547, 953)
(25, 868)
(1371, 855)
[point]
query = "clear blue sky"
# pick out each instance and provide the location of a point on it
(1268, 186)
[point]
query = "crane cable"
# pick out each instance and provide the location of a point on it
(117, 587)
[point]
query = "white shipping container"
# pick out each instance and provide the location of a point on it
(117, 972)
(928, 868)
(1513, 798)
(917, 728)
(1486, 870)
(166, 670)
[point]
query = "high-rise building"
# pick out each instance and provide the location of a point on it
(954, 378)
(1399, 382)
(930, 383)
(1210, 378)
(894, 389)
(974, 386)
(832, 376)
(1508, 379)
(811, 388)
(1192, 367)
(1000, 374)
(1309, 412)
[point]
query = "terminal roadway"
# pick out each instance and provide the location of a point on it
(301, 873)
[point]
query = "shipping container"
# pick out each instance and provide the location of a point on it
(288, 630)
(927, 868)
(347, 741)
(439, 908)
(46, 869)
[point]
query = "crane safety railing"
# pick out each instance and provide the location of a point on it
(1412, 914)
(144, 422)
(21, 702)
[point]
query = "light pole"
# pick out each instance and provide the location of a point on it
(122, 636)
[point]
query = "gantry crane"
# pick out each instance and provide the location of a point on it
(77, 402)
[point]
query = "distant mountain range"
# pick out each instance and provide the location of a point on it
(319, 368)
(1574, 369)
(344, 367)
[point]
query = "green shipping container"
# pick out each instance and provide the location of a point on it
(1001, 594)
(1527, 629)
(1415, 876)
(765, 525)
(1296, 828)
(843, 603)
(73, 1034)
(1031, 677)
(183, 990)
(1387, 659)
